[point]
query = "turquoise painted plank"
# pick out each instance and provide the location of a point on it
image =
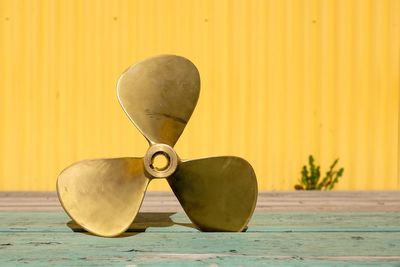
(208, 260)
(178, 222)
(273, 239)
(197, 261)
(153, 248)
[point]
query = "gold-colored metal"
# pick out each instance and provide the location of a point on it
(168, 152)
(159, 96)
(103, 195)
(217, 194)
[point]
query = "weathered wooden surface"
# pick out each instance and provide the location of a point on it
(319, 236)
(267, 201)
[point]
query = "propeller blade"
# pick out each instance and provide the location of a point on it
(103, 195)
(218, 194)
(159, 95)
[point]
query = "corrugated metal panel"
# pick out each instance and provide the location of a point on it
(280, 80)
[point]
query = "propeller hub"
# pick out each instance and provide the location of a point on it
(160, 161)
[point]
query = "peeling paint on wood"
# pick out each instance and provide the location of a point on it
(274, 238)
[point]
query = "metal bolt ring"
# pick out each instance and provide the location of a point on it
(168, 152)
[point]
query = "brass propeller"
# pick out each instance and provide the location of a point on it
(159, 95)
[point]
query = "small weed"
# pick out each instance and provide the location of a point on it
(310, 177)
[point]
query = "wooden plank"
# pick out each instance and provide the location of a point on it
(260, 222)
(267, 201)
(395, 194)
(187, 248)
(166, 237)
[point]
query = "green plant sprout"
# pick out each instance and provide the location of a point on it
(310, 178)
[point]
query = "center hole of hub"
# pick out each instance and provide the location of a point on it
(160, 161)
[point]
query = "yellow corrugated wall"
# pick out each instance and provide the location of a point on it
(280, 80)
